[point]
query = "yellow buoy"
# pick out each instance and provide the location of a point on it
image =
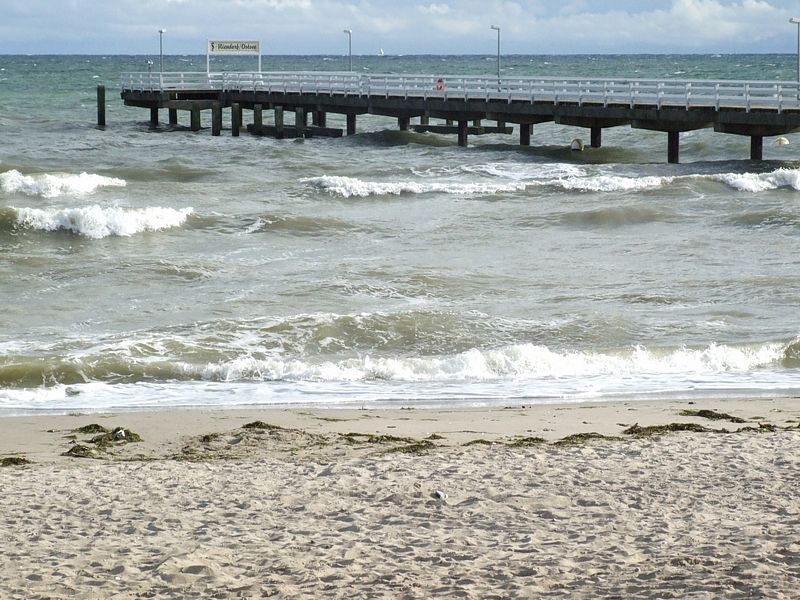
(576, 145)
(781, 141)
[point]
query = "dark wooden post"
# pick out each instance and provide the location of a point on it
(258, 118)
(236, 119)
(476, 123)
(597, 137)
(756, 147)
(673, 147)
(351, 124)
(462, 132)
(501, 124)
(300, 120)
(403, 123)
(101, 106)
(216, 118)
(424, 120)
(525, 134)
(173, 116)
(448, 122)
(195, 120)
(279, 122)
(153, 117)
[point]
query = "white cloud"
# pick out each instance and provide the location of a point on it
(434, 9)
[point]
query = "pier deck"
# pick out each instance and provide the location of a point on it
(756, 109)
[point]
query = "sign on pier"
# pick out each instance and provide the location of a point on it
(233, 47)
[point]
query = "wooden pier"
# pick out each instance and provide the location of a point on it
(756, 109)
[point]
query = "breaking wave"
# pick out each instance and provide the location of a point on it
(97, 222)
(52, 186)
(497, 179)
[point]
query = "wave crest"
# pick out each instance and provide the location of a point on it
(52, 186)
(96, 222)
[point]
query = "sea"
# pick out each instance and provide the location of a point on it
(162, 268)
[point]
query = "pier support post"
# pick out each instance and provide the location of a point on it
(351, 124)
(173, 116)
(319, 118)
(476, 123)
(236, 119)
(423, 120)
(300, 121)
(462, 133)
(279, 122)
(597, 137)
(525, 134)
(216, 119)
(153, 117)
(501, 124)
(101, 106)
(448, 122)
(403, 123)
(258, 118)
(673, 147)
(195, 119)
(756, 147)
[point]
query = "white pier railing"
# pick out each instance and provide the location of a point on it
(748, 95)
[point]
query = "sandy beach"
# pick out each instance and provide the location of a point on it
(519, 502)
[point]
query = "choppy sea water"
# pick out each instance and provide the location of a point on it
(164, 268)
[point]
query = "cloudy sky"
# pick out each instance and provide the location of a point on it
(400, 27)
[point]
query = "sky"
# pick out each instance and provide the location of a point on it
(400, 27)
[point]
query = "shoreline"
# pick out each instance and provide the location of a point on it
(406, 503)
(44, 437)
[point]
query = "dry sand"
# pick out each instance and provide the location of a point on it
(203, 507)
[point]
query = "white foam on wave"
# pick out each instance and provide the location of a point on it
(98, 222)
(353, 187)
(517, 362)
(54, 185)
(761, 182)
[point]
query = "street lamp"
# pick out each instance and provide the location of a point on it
(349, 33)
(797, 21)
(497, 29)
(161, 33)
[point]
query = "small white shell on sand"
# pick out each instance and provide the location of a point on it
(439, 495)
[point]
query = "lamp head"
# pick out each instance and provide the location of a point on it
(495, 27)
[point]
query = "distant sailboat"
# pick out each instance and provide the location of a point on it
(380, 52)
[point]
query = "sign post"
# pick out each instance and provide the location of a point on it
(233, 47)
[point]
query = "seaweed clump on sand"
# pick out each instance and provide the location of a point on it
(405, 445)
(260, 425)
(420, 447)
(105, 440)
(526, 442)
(479, 442)
(14, 461)
(712, 415)
(80, 451)
(90, 428)
(580, 438)
(651, 430)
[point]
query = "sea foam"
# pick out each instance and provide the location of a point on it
(97, 222)
(761, 182)
(517, 362)
(54, 185)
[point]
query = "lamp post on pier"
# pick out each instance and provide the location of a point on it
(161, 33)
(796, 20)
(349, 33)
(497, 29)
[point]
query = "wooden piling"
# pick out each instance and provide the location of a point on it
(300, 120)
(236, 119)
(101, 106)
(597, 137)
(403, 123)
(153, 117)
(424, 120)
(673, 147)
(279, 133)
(525, 134)
(258, 118)
(216, 119)
(351, 124)
(195, 118)
(173, 116)
(756, 147)
(462, 132)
